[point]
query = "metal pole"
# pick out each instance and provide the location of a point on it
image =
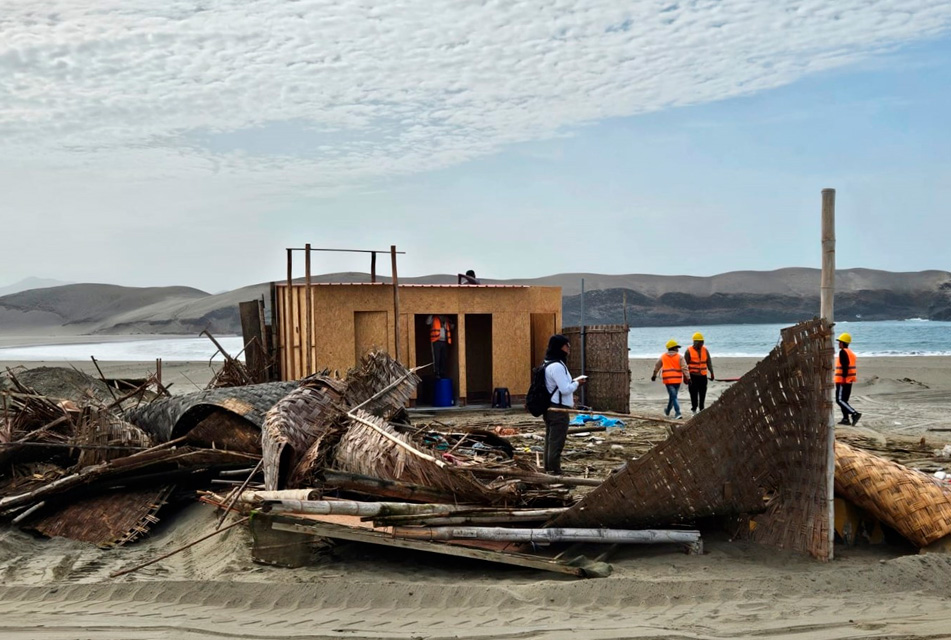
(396, 305)
(826, 310)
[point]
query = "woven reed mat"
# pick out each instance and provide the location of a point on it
(762, 448)
(911, 502)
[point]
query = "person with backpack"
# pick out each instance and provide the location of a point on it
(559, 392)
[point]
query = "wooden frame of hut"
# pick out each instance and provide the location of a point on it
(500, 331)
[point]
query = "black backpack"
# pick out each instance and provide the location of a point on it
(537, 400)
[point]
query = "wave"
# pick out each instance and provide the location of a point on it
(916, 320)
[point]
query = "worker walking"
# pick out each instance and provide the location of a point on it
(699, 364)
(845, 376)
(674, 371)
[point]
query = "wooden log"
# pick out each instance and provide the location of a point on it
(255, 497)
(505, 534)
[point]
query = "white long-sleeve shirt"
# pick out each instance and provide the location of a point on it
(557, 379)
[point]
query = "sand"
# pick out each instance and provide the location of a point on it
(61, 589)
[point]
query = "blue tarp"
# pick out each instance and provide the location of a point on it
(595, 420)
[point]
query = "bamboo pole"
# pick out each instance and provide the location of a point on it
(505, 534)
(396, 305)
(289, 372)
(357, 508)
(827, 311)
(309, 324)
(530, 477)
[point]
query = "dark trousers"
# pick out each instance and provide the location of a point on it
(441, 359)
(698, 391)
(556, 432)
(843, 391)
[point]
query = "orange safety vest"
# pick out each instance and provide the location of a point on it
(848, 376)
(698, 361)
(435, 330)
(671, 373)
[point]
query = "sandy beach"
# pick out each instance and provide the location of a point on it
(60, 589)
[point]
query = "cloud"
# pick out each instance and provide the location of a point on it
(137, 90)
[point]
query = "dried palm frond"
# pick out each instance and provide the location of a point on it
(380, 386)
(365, 450)
(102, 428)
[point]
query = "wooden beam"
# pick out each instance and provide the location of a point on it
(396, 306)
(309, 324)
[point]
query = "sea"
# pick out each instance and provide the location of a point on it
(913, 337)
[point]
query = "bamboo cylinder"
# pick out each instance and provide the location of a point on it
(505, 534)
(827, 311)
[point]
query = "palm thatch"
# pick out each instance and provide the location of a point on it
(105, 429)
(294, 425)
(380, 386)
(364, 449)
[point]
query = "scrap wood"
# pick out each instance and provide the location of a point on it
(156, 457)
(383, 487)
(532, 477)
(354, 534)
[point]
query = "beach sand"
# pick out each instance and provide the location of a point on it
(61, 589)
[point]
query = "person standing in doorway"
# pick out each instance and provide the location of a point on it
(699, 364)
(561, 389)
(674, 371)
(845, 376)
(440, 337)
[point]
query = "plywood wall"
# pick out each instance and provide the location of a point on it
(348, 317)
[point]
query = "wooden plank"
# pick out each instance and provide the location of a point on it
(309, 316)
(338, 532)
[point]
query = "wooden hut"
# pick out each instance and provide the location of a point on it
(499, 331)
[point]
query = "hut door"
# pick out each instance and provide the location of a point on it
(543, 327)
(478, 358)
(369, 332)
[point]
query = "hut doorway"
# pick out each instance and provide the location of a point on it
(424, 355)
(478, 358)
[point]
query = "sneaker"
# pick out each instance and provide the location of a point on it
(693, 411)
(678, 417)
(855, 418)
(845, 421)
(667, 413)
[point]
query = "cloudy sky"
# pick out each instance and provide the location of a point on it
(157, 143)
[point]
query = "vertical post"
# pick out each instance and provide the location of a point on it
(396, 305)
(288, 368)
(582, 394)
(827, 312)
(373, 266)
(309, 324)
(158, 372)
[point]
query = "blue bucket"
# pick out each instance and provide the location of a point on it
(442, 393)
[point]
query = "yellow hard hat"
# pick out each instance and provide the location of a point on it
(846, 338)
(698, 336)
(671, 344)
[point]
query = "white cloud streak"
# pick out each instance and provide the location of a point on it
(121, 88)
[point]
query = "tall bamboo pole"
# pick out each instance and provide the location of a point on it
(396, 305)
(289, 372)
(827, 303)
(309, 324)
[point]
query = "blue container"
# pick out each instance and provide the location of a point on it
(442, 393)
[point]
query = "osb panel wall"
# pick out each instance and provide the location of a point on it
(762, 448)
(333, 330)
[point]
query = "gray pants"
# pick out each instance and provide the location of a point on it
(556, 432)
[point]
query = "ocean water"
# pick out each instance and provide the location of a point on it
(913, 337)
(887, 338)
(171, 349)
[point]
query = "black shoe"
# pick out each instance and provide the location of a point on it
(845, 421)
(855, 418)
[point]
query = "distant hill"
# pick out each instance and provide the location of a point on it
(784, 295)
(30, 283)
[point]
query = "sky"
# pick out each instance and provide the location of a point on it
(151, 143)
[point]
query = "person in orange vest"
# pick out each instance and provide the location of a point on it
(845, 371)
(674, 371)
(699, 363)
(440, 337)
